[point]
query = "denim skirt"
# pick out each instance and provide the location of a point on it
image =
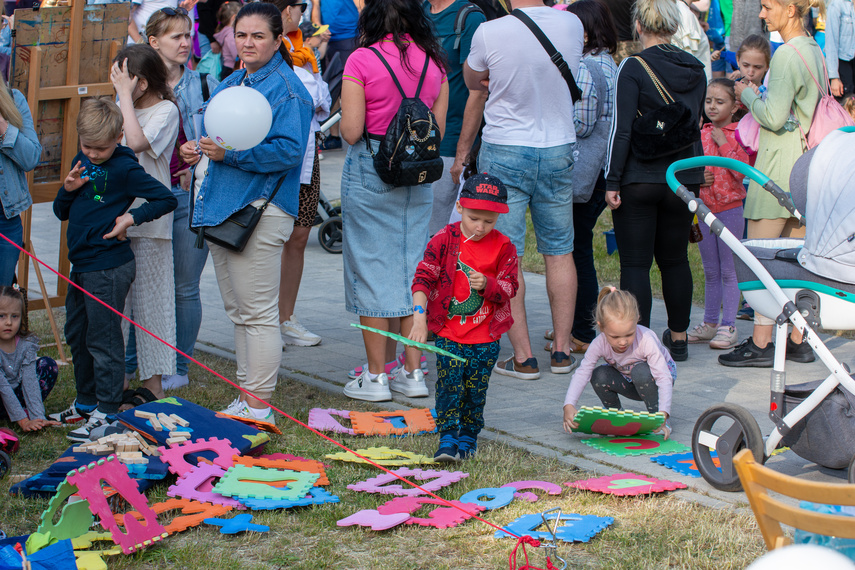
(385, 231)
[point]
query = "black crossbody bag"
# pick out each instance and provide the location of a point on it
(235, 231)
(554, 54)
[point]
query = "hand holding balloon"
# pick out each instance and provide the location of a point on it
(237, 118)
(211, 150)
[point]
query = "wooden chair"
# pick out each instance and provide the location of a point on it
(770, 511)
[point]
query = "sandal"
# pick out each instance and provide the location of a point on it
(138, 397)
(576, 345)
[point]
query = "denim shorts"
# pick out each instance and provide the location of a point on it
(540, 179)
(384, 234)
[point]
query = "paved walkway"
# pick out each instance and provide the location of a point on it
(524, 413)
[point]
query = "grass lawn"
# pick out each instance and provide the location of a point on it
(608, 266)
(649, 532)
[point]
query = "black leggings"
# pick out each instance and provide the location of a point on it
(652, 223)
(846, 71)
(608, 384)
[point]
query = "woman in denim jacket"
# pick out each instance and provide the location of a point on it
(168, 32)
(840, 47)
(249, 281)
(19, 153)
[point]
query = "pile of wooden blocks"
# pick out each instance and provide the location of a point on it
(130, 448)
(170, 423)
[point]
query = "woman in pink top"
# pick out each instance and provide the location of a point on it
(385, 228)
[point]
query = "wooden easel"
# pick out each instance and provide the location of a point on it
(44, 40)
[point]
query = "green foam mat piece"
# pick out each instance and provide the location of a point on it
(601, 421)
(635, 445)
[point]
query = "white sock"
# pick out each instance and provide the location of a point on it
(372, 376)
(259, 413)
(407, 372)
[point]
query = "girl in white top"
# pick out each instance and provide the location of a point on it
(151, 128)
(637, 365)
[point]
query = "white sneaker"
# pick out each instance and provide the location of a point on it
(247, 412)
(234, 408)
(295, 333)
(362, 388)
(96, 420)
(173, 381)
(411, 385)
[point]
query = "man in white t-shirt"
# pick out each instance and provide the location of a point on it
(529, 142)
(141, 11)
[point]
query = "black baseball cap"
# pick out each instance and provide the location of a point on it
(484, 192)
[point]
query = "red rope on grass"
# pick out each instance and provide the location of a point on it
(522, 541)
(221, 377)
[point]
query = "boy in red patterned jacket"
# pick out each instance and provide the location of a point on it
(461, 292)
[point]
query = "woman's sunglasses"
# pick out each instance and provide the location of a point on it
(174, 11)
(302, 6)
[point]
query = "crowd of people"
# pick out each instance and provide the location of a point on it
(559, 137)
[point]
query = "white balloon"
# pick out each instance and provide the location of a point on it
(238, 118)
(802, 557)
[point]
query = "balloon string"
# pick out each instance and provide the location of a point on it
(247, 393)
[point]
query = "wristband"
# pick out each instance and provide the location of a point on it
(419, 309)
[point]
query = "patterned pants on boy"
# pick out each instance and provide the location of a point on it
(461, 387)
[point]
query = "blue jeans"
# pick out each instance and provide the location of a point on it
(14, 230)
(189, 263)
(584, 219)
(540, 179)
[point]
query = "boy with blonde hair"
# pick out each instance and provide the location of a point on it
(94, 199)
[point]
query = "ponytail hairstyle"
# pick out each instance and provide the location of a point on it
(273, 16)
(758, 43)
(803, 6)
(658, 17)
(144, 62)
(615, 305)
(19, 295)
(225, 13)
(380, 18)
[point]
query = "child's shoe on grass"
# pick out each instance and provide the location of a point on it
(74, 414)
(411, 385)
(467, 444)
(364, 388)
(97, 419)
(447, 451)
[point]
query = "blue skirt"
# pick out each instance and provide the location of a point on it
(385, 232)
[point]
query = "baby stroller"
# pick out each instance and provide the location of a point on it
(328, 218)
(799, 282)
(8, 446)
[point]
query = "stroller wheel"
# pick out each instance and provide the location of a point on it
(721, 432)
(329, 234)
(5, 464)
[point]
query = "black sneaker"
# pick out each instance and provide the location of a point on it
(749, 355)
(679, 349)
(799, 352)
(97, 419)
(71, 415)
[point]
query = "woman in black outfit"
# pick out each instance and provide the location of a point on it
(650, 221)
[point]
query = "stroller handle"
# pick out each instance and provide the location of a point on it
(784, 198)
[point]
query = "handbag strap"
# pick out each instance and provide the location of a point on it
(554, 54)
(824, 69)
(663, 92)
(395, 79)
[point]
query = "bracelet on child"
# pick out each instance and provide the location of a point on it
(419, 309)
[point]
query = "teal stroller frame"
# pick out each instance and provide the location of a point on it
(727, 428)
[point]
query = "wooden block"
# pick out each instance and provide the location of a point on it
(179, 420)
(166, 421)
(146, 415)
(184, 434)
(101, 450)
(174, 440)
(155, 424)
(80, 449)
